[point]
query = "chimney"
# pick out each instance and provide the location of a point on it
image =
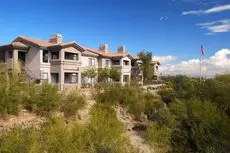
(121, 49)
(103, 47)
(55, 39)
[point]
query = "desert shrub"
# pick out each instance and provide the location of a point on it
(107, 132)
(103, 134)
(133, 98)
(190, 126)
(71, 102)
(167, 95)
(42, 99)
(21, 141)
(158, 137)
(47, 99)
(11, 91)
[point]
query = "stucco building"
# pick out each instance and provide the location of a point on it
(62, 63)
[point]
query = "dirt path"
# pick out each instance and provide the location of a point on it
(24, 119)
(83, 114)
(136, 140)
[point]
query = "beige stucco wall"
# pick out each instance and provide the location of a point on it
(103, 62)
(85, 61)
(85, 66)
(126, 69)
(63, 66)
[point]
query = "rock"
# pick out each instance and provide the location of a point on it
(144, 117)
(140, 127)
(79, 117)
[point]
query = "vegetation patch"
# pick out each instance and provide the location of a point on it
(133, 98)
(103, 134)
(71, 102)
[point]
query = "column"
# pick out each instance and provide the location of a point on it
(79, 78)
(15, 59)
(121, 78)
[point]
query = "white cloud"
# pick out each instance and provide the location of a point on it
(216, 26)
(163, 18)
(164, 59)
(208, 11)
(218, 63)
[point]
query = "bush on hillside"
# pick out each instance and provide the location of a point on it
(42, 99)
(103, 134)
(167, 95)
(71, 102)
(11, 90)
(133, 98)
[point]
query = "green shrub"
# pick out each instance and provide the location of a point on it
(10, 93)
(47, 98)
(71, 102)
(103, 134)
(21, 141)
(133, 98)
(158, 137)
(201, 128)
(167, 95)
(42, 99)
(107, 132)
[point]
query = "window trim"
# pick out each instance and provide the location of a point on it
(108, 64)
(74, 54)
(43, 56)
(92, 61)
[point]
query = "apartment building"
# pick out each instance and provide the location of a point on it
(120, 60)
(62, 63)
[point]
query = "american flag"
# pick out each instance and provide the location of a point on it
(202, 50)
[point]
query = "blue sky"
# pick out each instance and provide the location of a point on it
(153, 25)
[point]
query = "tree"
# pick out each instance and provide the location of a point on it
(114, 74)
(108, 73)
(103, 74)
(146, 67)
(90, 73)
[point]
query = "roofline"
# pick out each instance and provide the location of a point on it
(74, 44)
(60, 46)
(30, 42)
(90, 55)
(11, 46)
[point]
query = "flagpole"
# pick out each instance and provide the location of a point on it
(201, 54)
(200, 68)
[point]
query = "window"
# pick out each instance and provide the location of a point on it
(140, 78)
(55, 55)
(45, 56)
(126, 63)
(116, 62)
(156, 67)
(107, 63)
(71, 56)
(91, 62)
(71, 77)
(125, 78)
(74, 78)
(45, 76)
(54, 77)
(10, 54)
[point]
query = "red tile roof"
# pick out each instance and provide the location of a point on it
(36, 41)
(18, 44)
(106, 53)
(86, 52)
